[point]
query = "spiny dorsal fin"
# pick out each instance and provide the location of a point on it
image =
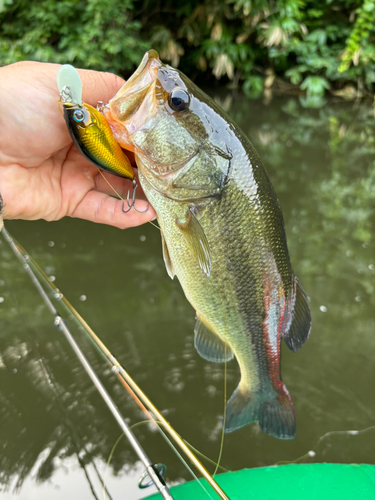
(300, 327)
(196, 241)
(209, 346)
(167, 258)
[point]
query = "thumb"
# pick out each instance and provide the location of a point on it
(99, 86)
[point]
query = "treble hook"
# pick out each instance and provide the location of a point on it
(132, 204)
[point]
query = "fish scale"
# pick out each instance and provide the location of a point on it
(223, 298)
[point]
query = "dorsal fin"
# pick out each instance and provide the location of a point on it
(209, 346)
(300, 327)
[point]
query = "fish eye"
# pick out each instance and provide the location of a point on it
(178, 100)
(78, 115)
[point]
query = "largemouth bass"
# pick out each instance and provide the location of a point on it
(222, 235)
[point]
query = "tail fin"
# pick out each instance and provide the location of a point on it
(272, 409)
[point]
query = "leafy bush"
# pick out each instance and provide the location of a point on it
(317, 45)
(98, 34)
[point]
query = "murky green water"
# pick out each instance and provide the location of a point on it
(56, 434)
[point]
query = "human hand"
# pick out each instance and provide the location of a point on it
(42, 175)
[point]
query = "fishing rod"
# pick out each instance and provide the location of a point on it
(61, 326)
(140, 397)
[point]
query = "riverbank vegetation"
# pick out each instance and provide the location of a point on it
(315, 46)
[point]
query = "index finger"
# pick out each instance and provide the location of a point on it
(103, 209)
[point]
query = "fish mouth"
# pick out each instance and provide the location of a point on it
(121, 111)
(146, 71)
(165, 170)
(130, 97)
(133, 110)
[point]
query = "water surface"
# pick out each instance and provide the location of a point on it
(56, 434)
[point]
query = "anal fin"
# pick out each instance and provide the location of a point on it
(209, 346)
(300, 326)
(196, 241)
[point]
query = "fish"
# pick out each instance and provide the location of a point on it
(89, 130)
(222, 233)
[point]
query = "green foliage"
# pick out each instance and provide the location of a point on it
(98, 34)
(318, 45)
(359, 36)
(314, 85)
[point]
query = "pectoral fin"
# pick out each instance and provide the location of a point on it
(167, 258)
(196, 241)
(209, 346)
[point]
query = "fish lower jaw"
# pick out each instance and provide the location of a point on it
(164, 170)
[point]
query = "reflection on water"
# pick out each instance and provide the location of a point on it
(55, 433)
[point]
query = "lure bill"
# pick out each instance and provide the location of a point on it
(88, 128)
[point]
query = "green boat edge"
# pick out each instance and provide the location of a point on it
(290, 482)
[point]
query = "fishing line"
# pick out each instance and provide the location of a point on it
(109, 461)
(165, 437)
(109, 184)
(312, 453)
(224, 415)
(57, 396)
(119, 196)
(217, 464)
(61, 326)
(152, 224)
(117, 368)
(143, 422)
(187, 443)
(205, 456)
(75, 435)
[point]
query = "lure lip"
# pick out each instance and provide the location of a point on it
(69, 84)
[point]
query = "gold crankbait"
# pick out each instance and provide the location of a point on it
(90, 131)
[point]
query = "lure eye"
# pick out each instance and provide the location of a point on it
(179, 100)
(78, 115)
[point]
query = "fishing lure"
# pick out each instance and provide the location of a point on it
(90, 131)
